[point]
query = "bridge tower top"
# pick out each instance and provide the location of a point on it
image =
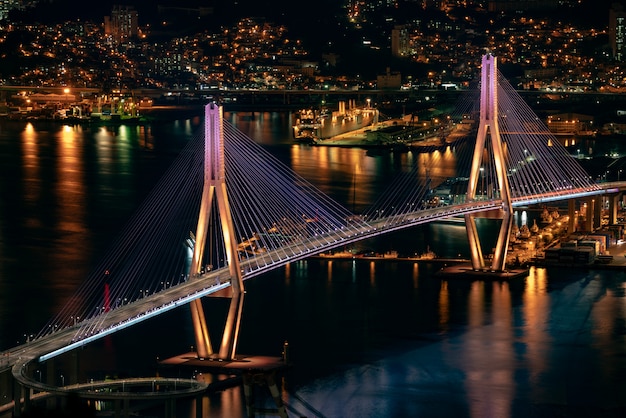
(215, 170)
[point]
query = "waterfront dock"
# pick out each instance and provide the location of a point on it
(368, 136)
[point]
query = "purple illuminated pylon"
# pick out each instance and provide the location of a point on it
(488, 127)
(215, 188)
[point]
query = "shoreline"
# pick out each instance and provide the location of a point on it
(362, 138)
(147, 115)
(356, 257)
(616, 264)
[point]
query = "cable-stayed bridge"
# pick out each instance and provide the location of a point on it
(228, 211)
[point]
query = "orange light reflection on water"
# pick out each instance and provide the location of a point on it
(536, 310)
(31, 166)
(416, 275)
(70, 188)
(485, 355)
(444, 306)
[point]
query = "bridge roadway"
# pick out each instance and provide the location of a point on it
(91, 329)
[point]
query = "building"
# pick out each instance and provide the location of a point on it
(122, 24)
(617, 31)
(399, 41)
(7, 5)
(570, 124)
(389, 80)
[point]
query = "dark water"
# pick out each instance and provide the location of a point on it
(367, 339)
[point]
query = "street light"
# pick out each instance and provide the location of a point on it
(482, 181)
(62, 380)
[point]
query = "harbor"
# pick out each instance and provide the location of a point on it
(369, 255)
(365, 128)
(547, 246)
(312, 126)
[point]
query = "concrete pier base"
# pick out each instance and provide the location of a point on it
(249, 371)
(465, 270)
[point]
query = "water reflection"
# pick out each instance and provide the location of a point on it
(67, 184)
(535, 313)
(437, 165)
(30, 164)
(487, 357)
(520, 347)
(444, 307)
(231, 400)
(370, 339)
(356, 179)
(267, 128)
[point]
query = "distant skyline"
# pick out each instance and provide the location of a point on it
(315, 21)
(55, 10)
(363, 47)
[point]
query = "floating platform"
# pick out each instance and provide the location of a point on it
(465, 270)
(241, 364)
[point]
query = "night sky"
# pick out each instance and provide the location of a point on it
(314, 23)
(279, 10)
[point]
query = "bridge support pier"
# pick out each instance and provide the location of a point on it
(170, 408)
(593, 215)
(597, 212)
(28, 393)
(17, 399)
(6, 387)
(22, 402)
(589, 204)
(572, 216)
(613, 207)
(51, 403)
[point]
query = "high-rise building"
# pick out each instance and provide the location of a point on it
(399, 41)
(122, 24)
(617, 31)
(6, 6)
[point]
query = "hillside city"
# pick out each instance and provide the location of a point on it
(381, 45)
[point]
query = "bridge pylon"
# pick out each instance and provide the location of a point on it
(488, 130)
(215, 188)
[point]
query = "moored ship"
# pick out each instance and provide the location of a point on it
(311, 125)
